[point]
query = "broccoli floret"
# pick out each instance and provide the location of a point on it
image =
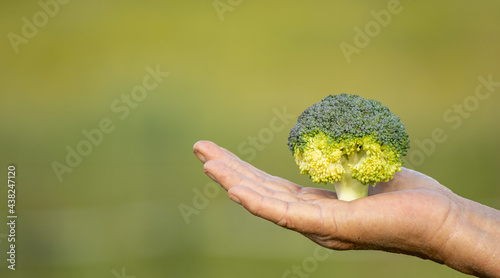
(349, 141)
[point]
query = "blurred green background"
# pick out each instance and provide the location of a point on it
(237, 70)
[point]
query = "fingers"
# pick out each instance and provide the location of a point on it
(225, 175)
(228, 177)
(207, 151)
(298, 216)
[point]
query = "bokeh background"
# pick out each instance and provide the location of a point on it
(139, 205)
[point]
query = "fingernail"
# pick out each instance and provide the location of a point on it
(211, 176)
(235, 199)
(200, 156)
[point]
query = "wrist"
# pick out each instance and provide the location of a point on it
(470, 239)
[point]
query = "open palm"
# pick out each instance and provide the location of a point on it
(396, 211)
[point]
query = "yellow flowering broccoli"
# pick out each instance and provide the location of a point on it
(349, 141)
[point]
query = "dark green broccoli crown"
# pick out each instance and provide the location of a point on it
(346, 116)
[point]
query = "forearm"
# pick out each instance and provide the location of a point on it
(473, 243)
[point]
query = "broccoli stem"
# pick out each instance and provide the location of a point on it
(349, 189)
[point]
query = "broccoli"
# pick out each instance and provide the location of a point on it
(349, 141)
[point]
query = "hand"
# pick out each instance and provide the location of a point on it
(411, 214)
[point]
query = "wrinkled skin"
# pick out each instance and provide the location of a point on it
(411, 214)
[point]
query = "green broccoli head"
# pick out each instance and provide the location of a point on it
(349, 141)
